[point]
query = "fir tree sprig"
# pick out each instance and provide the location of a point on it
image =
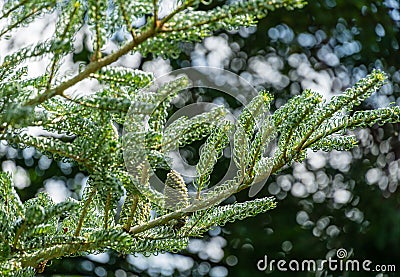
(85, 131)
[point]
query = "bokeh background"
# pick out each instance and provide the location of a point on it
(334, 200)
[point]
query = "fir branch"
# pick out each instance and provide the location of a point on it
(18, 234)
(102, 62)
(9, 11)
(107, 209)
(127, 20)
(34, 11)
(304, 122)
(91, 68)
(84, 211)
(354, 96)
(128, 222)
(62, 37)
(219, 216)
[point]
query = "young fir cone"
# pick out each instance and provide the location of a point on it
(176, 195)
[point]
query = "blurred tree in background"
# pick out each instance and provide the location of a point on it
(333, 200)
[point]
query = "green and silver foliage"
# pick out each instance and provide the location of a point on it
(40, 230)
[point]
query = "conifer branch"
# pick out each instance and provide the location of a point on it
(8, 12)
(127, 20)
(376, 80)
(128, 223)
(86, 130)
(32, 13)
(62, 37)
(100, 63)
(18, 234)
(107, 209)
(84, 211)
(91, 68)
